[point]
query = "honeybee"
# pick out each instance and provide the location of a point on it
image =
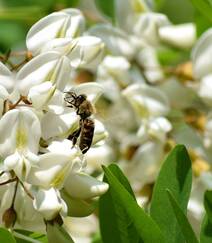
(84, 109)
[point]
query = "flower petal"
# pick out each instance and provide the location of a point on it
(54, 166)
(201, 55)
(147, 101)
(6, 78)
(50, 66)
(42, 203)
(115, 39)
(66, 23)
(181, 36)
(83, 186)
(20, 130)
(54, 125)
(40, 94)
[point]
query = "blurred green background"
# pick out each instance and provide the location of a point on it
(16, 16)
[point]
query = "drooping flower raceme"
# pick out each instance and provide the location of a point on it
(40, 166)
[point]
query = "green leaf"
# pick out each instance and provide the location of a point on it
(175, 175)
(115, 224)
(107, 8)
(204, 7)
(182, 220)
(146, 228)
(6, 236)
(208, 204)
(206, 231)
(29, 235)
(206, 227)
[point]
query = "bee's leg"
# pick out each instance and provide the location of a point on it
(74, 136)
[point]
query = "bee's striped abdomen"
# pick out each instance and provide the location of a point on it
(86, 136)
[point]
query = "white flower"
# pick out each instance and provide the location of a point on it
(205, 89)
(50, 66)
(20, 134)
(156, 128)
(116, 68)
(147, 58)
(148, 26)
(82, 186)
(182, 35)
(42, 203)
(83, 52)
(54, 166)
(201, 55)
(6, 78)
(116, 40)
(147, 101)
(66, 23)
(144, 165)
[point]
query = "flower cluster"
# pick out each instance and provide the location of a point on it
(148, 108)
(43, 177)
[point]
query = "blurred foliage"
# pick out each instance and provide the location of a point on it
(16, 17)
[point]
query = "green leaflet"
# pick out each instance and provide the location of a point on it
(6, 236)
(146, 228)
(175, 175)
(206, 227)
(182, 220)
(115, 224)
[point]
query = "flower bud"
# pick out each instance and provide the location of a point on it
(9, 217)
(182, 35)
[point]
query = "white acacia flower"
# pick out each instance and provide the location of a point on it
(6, 78)
(41, 76)
(83, 52)
(144, 165)
(205, 89)
(82, 186)
(182, 35)
(60, 31)
(147, 101)
(201, 55)
(54, 165)
(148, 26)
(48, 173)
(140, 29)
(82, 230)
(20, 135)
(8, 89)
(113, 73)
(49, 210)
(66, 23)
(156, 128)
(208, 132)
(202, 66)
(116, 40)
(195, 204)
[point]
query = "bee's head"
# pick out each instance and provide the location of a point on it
(79, 99)
(73, 99)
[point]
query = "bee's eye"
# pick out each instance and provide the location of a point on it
(82, 97)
